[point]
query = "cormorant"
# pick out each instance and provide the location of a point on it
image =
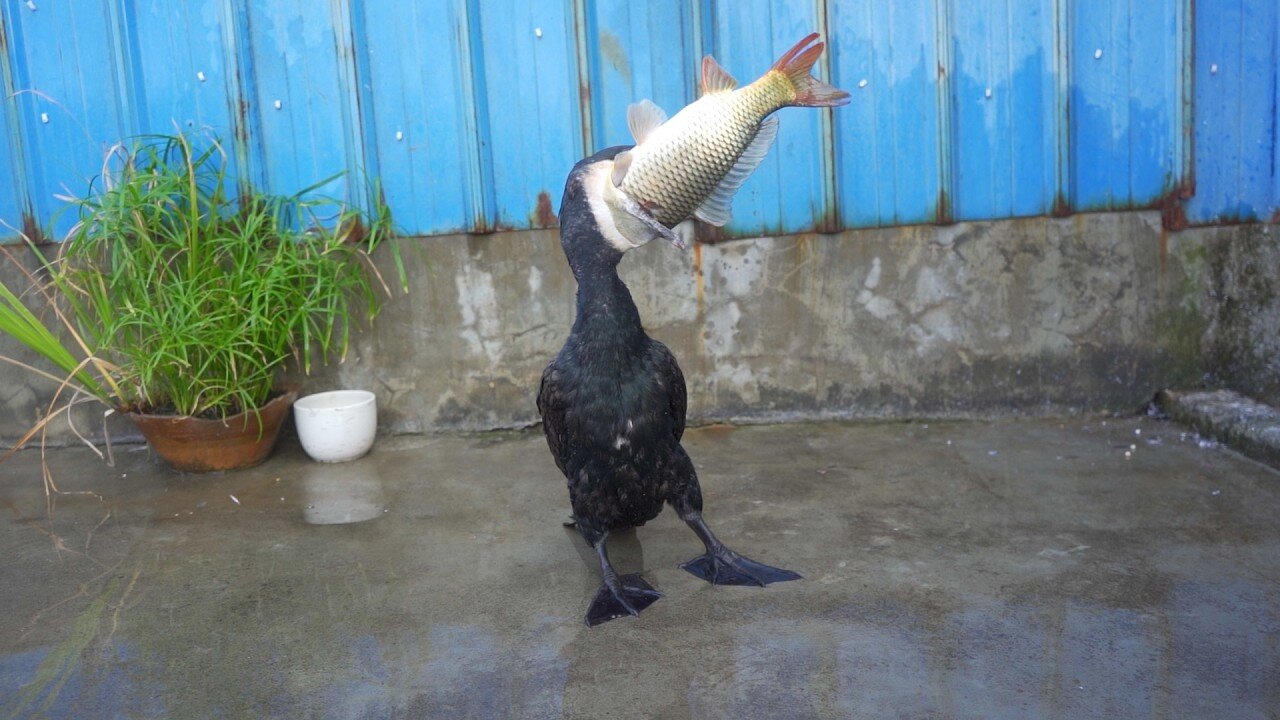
(613, 406)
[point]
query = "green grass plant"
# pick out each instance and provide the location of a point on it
(173, 293)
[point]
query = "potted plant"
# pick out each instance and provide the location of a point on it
(178, 304)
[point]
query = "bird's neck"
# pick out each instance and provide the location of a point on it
(606, 312)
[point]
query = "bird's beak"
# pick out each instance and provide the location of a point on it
(634, 222)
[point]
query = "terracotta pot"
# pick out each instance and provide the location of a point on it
(196, 445)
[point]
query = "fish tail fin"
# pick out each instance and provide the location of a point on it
(797, 65)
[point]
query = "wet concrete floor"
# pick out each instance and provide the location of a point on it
(1011, 569)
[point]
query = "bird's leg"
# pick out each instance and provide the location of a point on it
(619, 595)
(720, 565)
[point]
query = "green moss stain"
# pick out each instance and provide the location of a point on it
(1181, 323)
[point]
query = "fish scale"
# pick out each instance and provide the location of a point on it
(704, 153)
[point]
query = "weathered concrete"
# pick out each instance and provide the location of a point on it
(1028, 316)
(1016, 569)
(1248, 426)
(1243, 303)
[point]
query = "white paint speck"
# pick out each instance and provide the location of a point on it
(200, 76)
(399, 135)
(44, 118)
(234, 499)
(31, 5)
(988, 92)
(278, 104)
(862, 83)
(537, 32)
(1213, 69)
(1097, 54)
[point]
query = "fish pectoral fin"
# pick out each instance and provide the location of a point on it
(715, 78)
(621, 164)
(643, 118)
(715, 210)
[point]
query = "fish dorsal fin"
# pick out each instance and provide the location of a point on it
(715, 78)
(643, 118)
(621, 164)
(715, 209)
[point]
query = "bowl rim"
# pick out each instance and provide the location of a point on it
(359, 398)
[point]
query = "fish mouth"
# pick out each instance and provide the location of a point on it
(633, 222)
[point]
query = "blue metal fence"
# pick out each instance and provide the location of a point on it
(471, 111)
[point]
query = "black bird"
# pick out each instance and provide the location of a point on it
(613, 410)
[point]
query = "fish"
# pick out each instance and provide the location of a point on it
(692, 164)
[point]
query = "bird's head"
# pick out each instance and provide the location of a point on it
(597, 219)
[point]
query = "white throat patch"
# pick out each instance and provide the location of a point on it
(618, 227)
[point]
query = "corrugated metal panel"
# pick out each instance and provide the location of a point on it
(418, 137)
(1237, 90)
(527, 52)
(787, 192)
(471, 112)
(302, 103)
(885, 53)
(66, 77)
(1125, 109)
(1002, 144)
(639, 50)
(13, 191)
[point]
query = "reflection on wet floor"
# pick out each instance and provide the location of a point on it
(341, 493)
(1057, 578)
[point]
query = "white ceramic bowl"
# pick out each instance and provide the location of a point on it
(336, 426)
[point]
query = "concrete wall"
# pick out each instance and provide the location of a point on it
(1243, 303)
(1039, 315)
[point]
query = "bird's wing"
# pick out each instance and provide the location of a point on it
(552, 410)
(673, 379)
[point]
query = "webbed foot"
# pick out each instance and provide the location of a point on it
(628, 595)
(726, 567)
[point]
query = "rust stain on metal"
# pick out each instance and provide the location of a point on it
(1061, 208)
(1173, 214)
(828, 221)
(943, 214)
(481, 225)
(353, 232)
(707, 233)
(543, 215)
(241, 128)
(31, 229)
